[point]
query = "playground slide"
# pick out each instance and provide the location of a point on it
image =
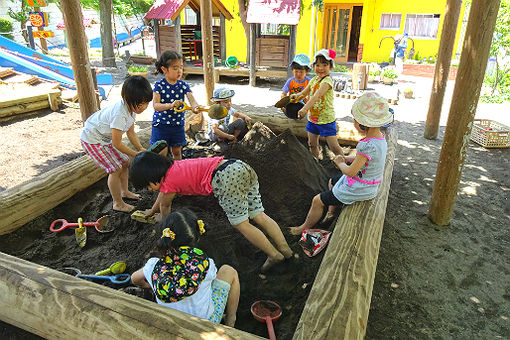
(26, 60)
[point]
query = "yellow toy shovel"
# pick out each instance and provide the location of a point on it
(141, 217)
(116, 268)
(80, 233)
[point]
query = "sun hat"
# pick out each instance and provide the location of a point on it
(302, 60)
(372, 110)
(222, 93)
(330, 55)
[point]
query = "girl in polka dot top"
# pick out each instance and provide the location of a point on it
(169, 92)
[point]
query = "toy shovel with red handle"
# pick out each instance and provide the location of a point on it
(101, 225)
(268, 312)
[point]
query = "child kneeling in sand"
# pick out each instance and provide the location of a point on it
(232, 181)
(101, 137)
(182, 277)
(359, 180)
(230, 125)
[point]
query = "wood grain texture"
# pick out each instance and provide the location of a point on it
(26, 201)
(55, 305)
(339, 301)
(278, 123)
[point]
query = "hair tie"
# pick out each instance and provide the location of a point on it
(201, 225)
(168, 233)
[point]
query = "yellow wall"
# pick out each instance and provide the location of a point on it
(370, 34)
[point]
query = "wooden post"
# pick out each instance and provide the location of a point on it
(442, 69)
(55, 305)
(28, 200)
(156, 37)
(207, 46)
(223, 41)
(44, 44)
(77, 43)
(473, 61)
(292, 48)
(30, 37)
(178, 36)
(340, 310)
(253, 58)
(105, 16)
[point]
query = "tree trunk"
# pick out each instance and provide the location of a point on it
(77, 43)
(105, 16)
(207, 45)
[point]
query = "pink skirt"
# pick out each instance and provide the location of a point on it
(106, 156)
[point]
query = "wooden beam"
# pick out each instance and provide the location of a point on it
(347, 134)
(223, 41)
(156, 37)
(339, 301)
(442, 70)
(77, 43)
(292, 48)
(253, 55)
(55, 305)
(207, 47)
(178, 36)
(473, 61)
(26, 201)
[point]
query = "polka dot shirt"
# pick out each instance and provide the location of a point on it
(170, 93)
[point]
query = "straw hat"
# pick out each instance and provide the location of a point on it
(222, 93)
(372, 110)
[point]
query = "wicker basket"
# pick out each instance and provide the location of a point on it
(490, 134)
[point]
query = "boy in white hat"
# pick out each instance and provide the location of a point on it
(358, 180)
(231, 126)
(321, 120)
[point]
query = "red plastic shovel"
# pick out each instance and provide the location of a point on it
(100, 225)
(268, 312)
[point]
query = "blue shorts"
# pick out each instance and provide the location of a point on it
(173, 135)
(323, 130)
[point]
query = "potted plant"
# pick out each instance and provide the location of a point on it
(141, 58)
(373, 74)
(389, 75)
(134, 70)
(408, 93)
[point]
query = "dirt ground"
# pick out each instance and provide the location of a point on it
(431, 282)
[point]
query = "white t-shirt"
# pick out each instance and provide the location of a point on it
(199, 304)
(221, 122)
(98, 127)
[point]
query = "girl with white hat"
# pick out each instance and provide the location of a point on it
(360, 175)
(321, 119)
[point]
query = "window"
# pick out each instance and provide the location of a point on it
(274, 29)
(422, 25)
(390, 21)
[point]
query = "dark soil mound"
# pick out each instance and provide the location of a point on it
(289, 177)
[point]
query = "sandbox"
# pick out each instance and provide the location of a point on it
(289, 177)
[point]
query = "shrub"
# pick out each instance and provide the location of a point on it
(6, 26)
(138, 69)
(389, 72)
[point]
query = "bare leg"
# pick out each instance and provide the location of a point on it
(259, 240)
(274, 232)
(176, 152)
(124, 190)
(229, 274)
(114, 184)
(313, 144)
(334, 146)
(314, 215)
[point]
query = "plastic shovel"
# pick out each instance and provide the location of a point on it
(100, 225)
(286, 100)
(116, 268)
(268, 312)
(119, 279)
(185, 107)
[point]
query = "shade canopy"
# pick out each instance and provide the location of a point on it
(282, 12)
(170, 9)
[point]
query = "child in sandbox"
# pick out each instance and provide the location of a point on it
(360, 175)
(321, 120)
(232, 181)
(231, 126)
(183, 277)
(101, 137)
(300, 67)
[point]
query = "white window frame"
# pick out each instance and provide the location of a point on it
(390, 28)
(436, 18)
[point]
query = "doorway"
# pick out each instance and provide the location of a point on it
(342, 29)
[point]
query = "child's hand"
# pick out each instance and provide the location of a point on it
(247, 120)
(196, 109)
(301, 113)
(148, 212)
(293, 96)
(176, 104)
(339, 159)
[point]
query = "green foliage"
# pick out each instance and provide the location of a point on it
(6, 26)
(138, 69)
(342, 68)
(389, 72)
(122, 7)
(408, 90)
(19, 16)
(416, 55)
(283, 30)
(374, 73)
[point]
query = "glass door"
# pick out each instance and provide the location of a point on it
(337, 29)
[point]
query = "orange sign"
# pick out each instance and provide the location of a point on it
(43, 34)
(38, 19)
(36, 3)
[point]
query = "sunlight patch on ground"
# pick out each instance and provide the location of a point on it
(428, 179)
(425, 148)
(470, 188)
(471, 166)
(406, 144)
(487, 179)
(419, 202)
